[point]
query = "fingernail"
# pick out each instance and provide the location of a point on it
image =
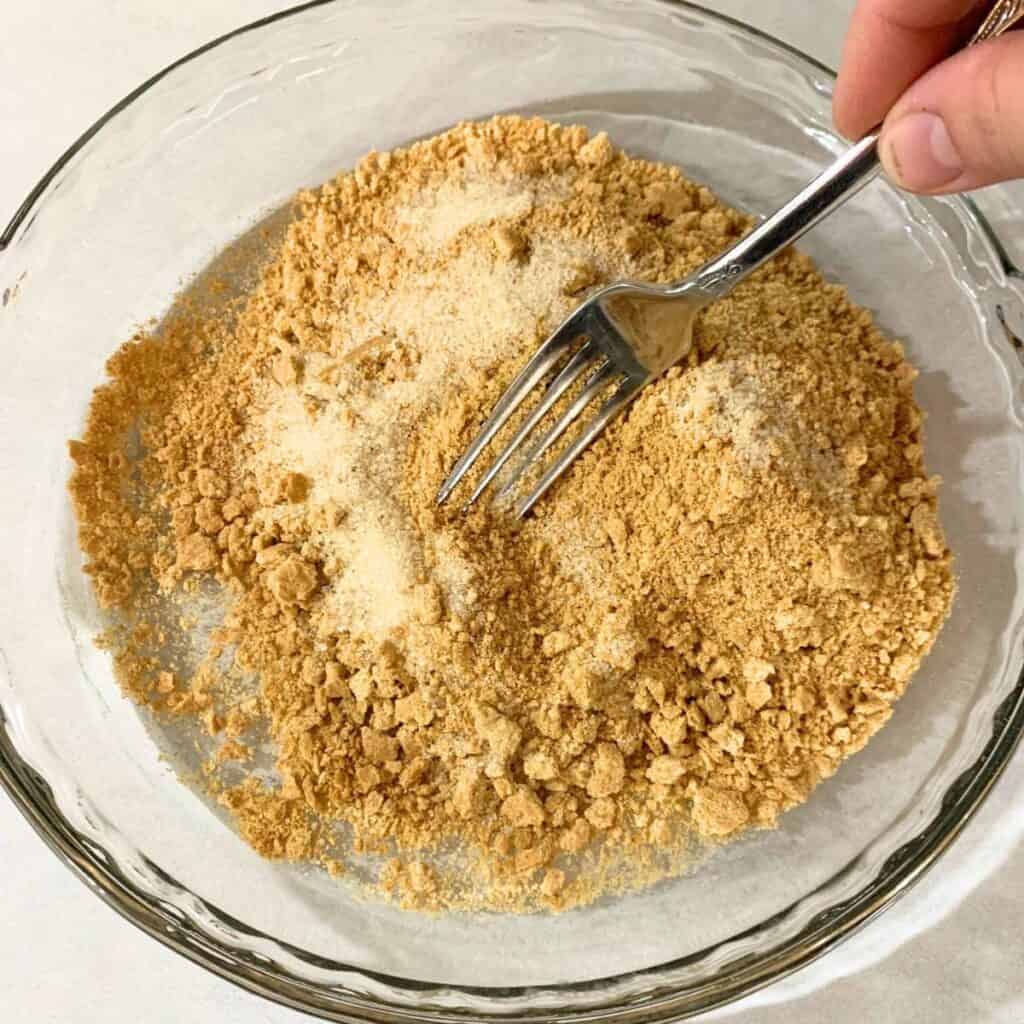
(919, 153)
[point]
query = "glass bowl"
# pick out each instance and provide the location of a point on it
(218, 142)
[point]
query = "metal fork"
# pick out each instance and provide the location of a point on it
(627, 334)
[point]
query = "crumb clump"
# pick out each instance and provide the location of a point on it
(719, 604)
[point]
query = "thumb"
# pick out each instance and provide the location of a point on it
(961, 125)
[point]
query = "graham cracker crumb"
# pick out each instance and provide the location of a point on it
(719, 603)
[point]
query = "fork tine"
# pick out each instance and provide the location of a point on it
(624, 394)
(569, 374)
(540, 363)
(595, 385)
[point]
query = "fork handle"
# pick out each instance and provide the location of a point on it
(857, 167)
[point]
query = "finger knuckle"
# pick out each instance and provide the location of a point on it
(985, 88)
(1007, 96)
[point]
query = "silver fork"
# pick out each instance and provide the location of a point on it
(627, 334)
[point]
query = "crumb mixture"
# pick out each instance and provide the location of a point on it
(718, 604)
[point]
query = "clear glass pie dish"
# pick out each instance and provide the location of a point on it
(210, 147)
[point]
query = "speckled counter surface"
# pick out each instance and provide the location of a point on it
(951, 951)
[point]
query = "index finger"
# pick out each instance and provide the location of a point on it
(889, 45)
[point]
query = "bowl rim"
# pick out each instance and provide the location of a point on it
(436, 1002)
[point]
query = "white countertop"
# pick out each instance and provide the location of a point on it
(952, 950)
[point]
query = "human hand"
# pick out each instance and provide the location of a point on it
(950, 126)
